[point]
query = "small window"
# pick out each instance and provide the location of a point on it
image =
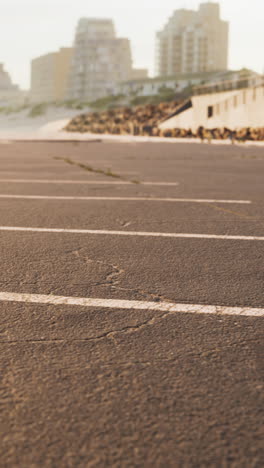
(210, 112)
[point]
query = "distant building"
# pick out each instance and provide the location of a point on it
(153, 86)
(50, 76)
(193, 42)
(100, 60)
(192, 83)
(5, 80)
(10, 94)
(139, 74)
(229, 80)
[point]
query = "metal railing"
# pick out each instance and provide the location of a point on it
(249, 81)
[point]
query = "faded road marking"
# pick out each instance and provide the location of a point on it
(175, 200)
(131, 233)
(126, 304)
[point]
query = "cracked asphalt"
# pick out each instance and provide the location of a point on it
(102, 387)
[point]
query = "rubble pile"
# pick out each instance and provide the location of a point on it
(141, 120)
(243, 134)
(144, 121)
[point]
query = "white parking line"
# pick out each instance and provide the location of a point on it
(125, 304)
(176, 200)
(131, 233)
(88, 182)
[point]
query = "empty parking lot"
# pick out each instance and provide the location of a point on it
(132, 308)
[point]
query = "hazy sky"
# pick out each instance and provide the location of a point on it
(29, 28)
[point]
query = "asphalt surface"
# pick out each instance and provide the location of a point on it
(99, 387)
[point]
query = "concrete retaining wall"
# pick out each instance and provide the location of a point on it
(232, 109)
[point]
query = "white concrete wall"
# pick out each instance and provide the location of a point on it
(245, 109)
(184, 120)
(201, 104)
(232, 109)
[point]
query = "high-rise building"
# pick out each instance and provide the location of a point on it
(5, 80)
(139, 74)
(100, 60)
(10, 94)
(193, 41)
(50, 76)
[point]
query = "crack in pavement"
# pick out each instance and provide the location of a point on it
(94, 170)
(109, 334)
(112, 279)
(240, 215)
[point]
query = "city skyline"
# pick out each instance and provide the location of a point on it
(40, 21)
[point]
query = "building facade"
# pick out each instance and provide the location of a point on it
(5, 80)
(139, 74)
(193, 42)
(50, 76)
(100, 60)
(154, 86)
(190, 83)
(10, 94)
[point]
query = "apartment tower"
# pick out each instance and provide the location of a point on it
(193, 42)
(10, 94)
(50, 76)
(5, 80)
(100, 60)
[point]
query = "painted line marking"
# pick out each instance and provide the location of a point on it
(131, 233)
(88, 182)
(126, 304)
(176, 200)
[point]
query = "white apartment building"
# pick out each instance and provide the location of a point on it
(193, 42)
(100, 60)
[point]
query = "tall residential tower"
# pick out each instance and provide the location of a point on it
(193, 42)
(100, 60)
(10, 94)
(50, 76)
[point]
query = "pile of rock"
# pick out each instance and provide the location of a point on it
(141, 120)
(243, 134)
(144, 120)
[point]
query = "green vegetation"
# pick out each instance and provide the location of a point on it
(103, 104)
(12, 109)
(154, 99)
(78, 105)
(37, 110)
(40, 109)
(106, 102)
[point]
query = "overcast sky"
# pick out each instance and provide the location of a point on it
(29, 28)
